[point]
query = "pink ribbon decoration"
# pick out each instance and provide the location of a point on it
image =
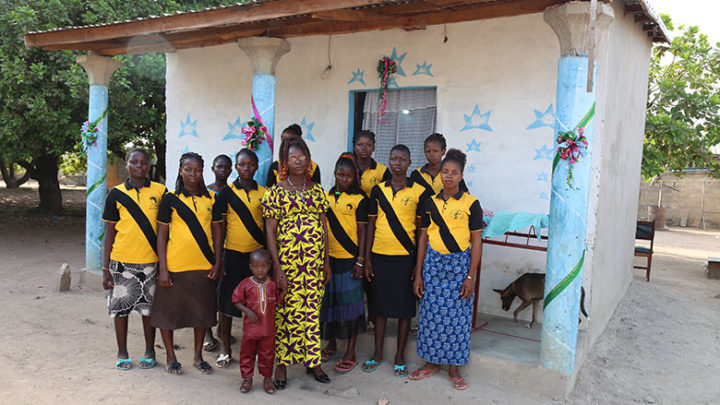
(263, 128)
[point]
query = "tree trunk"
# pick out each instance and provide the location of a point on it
(8, 174)
(46, 171)
(159, 145)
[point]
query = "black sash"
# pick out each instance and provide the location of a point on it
(447, 238)
(193, 224)
(340, 235)
(395, 225)
(420, 179)
(138, 215)
(246, 217)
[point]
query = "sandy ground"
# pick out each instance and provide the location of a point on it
(661, 346)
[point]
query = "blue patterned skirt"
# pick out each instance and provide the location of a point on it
(445, 319)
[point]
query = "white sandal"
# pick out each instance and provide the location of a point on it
(223, 360)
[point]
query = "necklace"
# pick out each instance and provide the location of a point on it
(293, 186)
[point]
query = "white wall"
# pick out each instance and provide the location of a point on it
(507, 66)
(623, 60)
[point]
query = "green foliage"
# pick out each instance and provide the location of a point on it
(683, 110)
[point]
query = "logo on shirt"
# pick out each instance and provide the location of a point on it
(406, 201)
(348, 209)
(153, 202)
(458, 214)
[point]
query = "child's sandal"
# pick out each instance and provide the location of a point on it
(400, 371)
(370, 366)
(246, 385)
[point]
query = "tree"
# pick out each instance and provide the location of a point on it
(683, 108)
(44, 94)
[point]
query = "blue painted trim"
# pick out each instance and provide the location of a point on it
(351, 108)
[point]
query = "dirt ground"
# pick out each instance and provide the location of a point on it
(661, 346)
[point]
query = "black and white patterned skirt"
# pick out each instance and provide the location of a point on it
(134, 288)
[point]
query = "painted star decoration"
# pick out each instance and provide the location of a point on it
(473, 146)
(188, 127)
(544, 196)
(186, 150)
(470, 168)
(542, 176)
(545, 152)
(358, 76)
(399, 61)
(423, 69)
(392, 82)
(235, 131)
(543, 119)
(476, 120)
(307, 130)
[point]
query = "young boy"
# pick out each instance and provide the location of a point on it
(256, 296)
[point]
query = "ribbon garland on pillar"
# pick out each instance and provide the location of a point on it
(89, 133)
(571, 144)
(256, 131)
(386, 68)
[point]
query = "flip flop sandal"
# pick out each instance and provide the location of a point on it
(370, 366)
(204, 367)
(418, 375)
(123, 364)
(147, 363)
(326, 355)
(345, 366)
(458, 383)
(174, 368)
(210, 345)
(400, 371)
(223, 360)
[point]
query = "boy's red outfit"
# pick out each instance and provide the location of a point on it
(258, 338)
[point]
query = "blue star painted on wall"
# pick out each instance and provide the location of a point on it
(476, 120)
(544, 196)
(188, 127)
(542, 176)
(469, 184)
(543, 119)
(544, 153)
(358, 76)
(392, 82)
(423, 69)
(470, 168)
(235, 130)
(399, 61)
(473, 146)
(186, 150)
(307, 130)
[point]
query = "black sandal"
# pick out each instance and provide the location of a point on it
(279, 384)
(204, 367)
(174, 368)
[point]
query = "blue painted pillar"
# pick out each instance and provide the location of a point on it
(264, 53)
(569, 202)
(99, 69)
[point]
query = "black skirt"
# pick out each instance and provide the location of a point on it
(391, 291)
(237, 268)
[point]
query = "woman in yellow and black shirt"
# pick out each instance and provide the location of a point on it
(342, 315)
(449, 249)
(240, 202)
(429, 174)
(394, 216)
(190, 231)
(274, 176)
(371, 172)
(130, 260)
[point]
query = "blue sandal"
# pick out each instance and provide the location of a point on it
(400, 371)
(147, 363)
(123, 364)
(370, 366)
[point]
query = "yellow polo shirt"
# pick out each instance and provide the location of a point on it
(396, 217)
(345, 213)
(134, 212)
(243, 210)
(374, 175)
(450, 223)
(190, 244)
(435, 184)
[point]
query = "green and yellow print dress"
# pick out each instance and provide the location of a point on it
(300, 237)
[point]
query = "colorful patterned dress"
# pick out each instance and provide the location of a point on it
(300, 237)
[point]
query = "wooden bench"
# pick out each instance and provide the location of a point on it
(645, 230)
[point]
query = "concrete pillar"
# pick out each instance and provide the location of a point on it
(568, 205)
(99, 69)
(264, 53)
